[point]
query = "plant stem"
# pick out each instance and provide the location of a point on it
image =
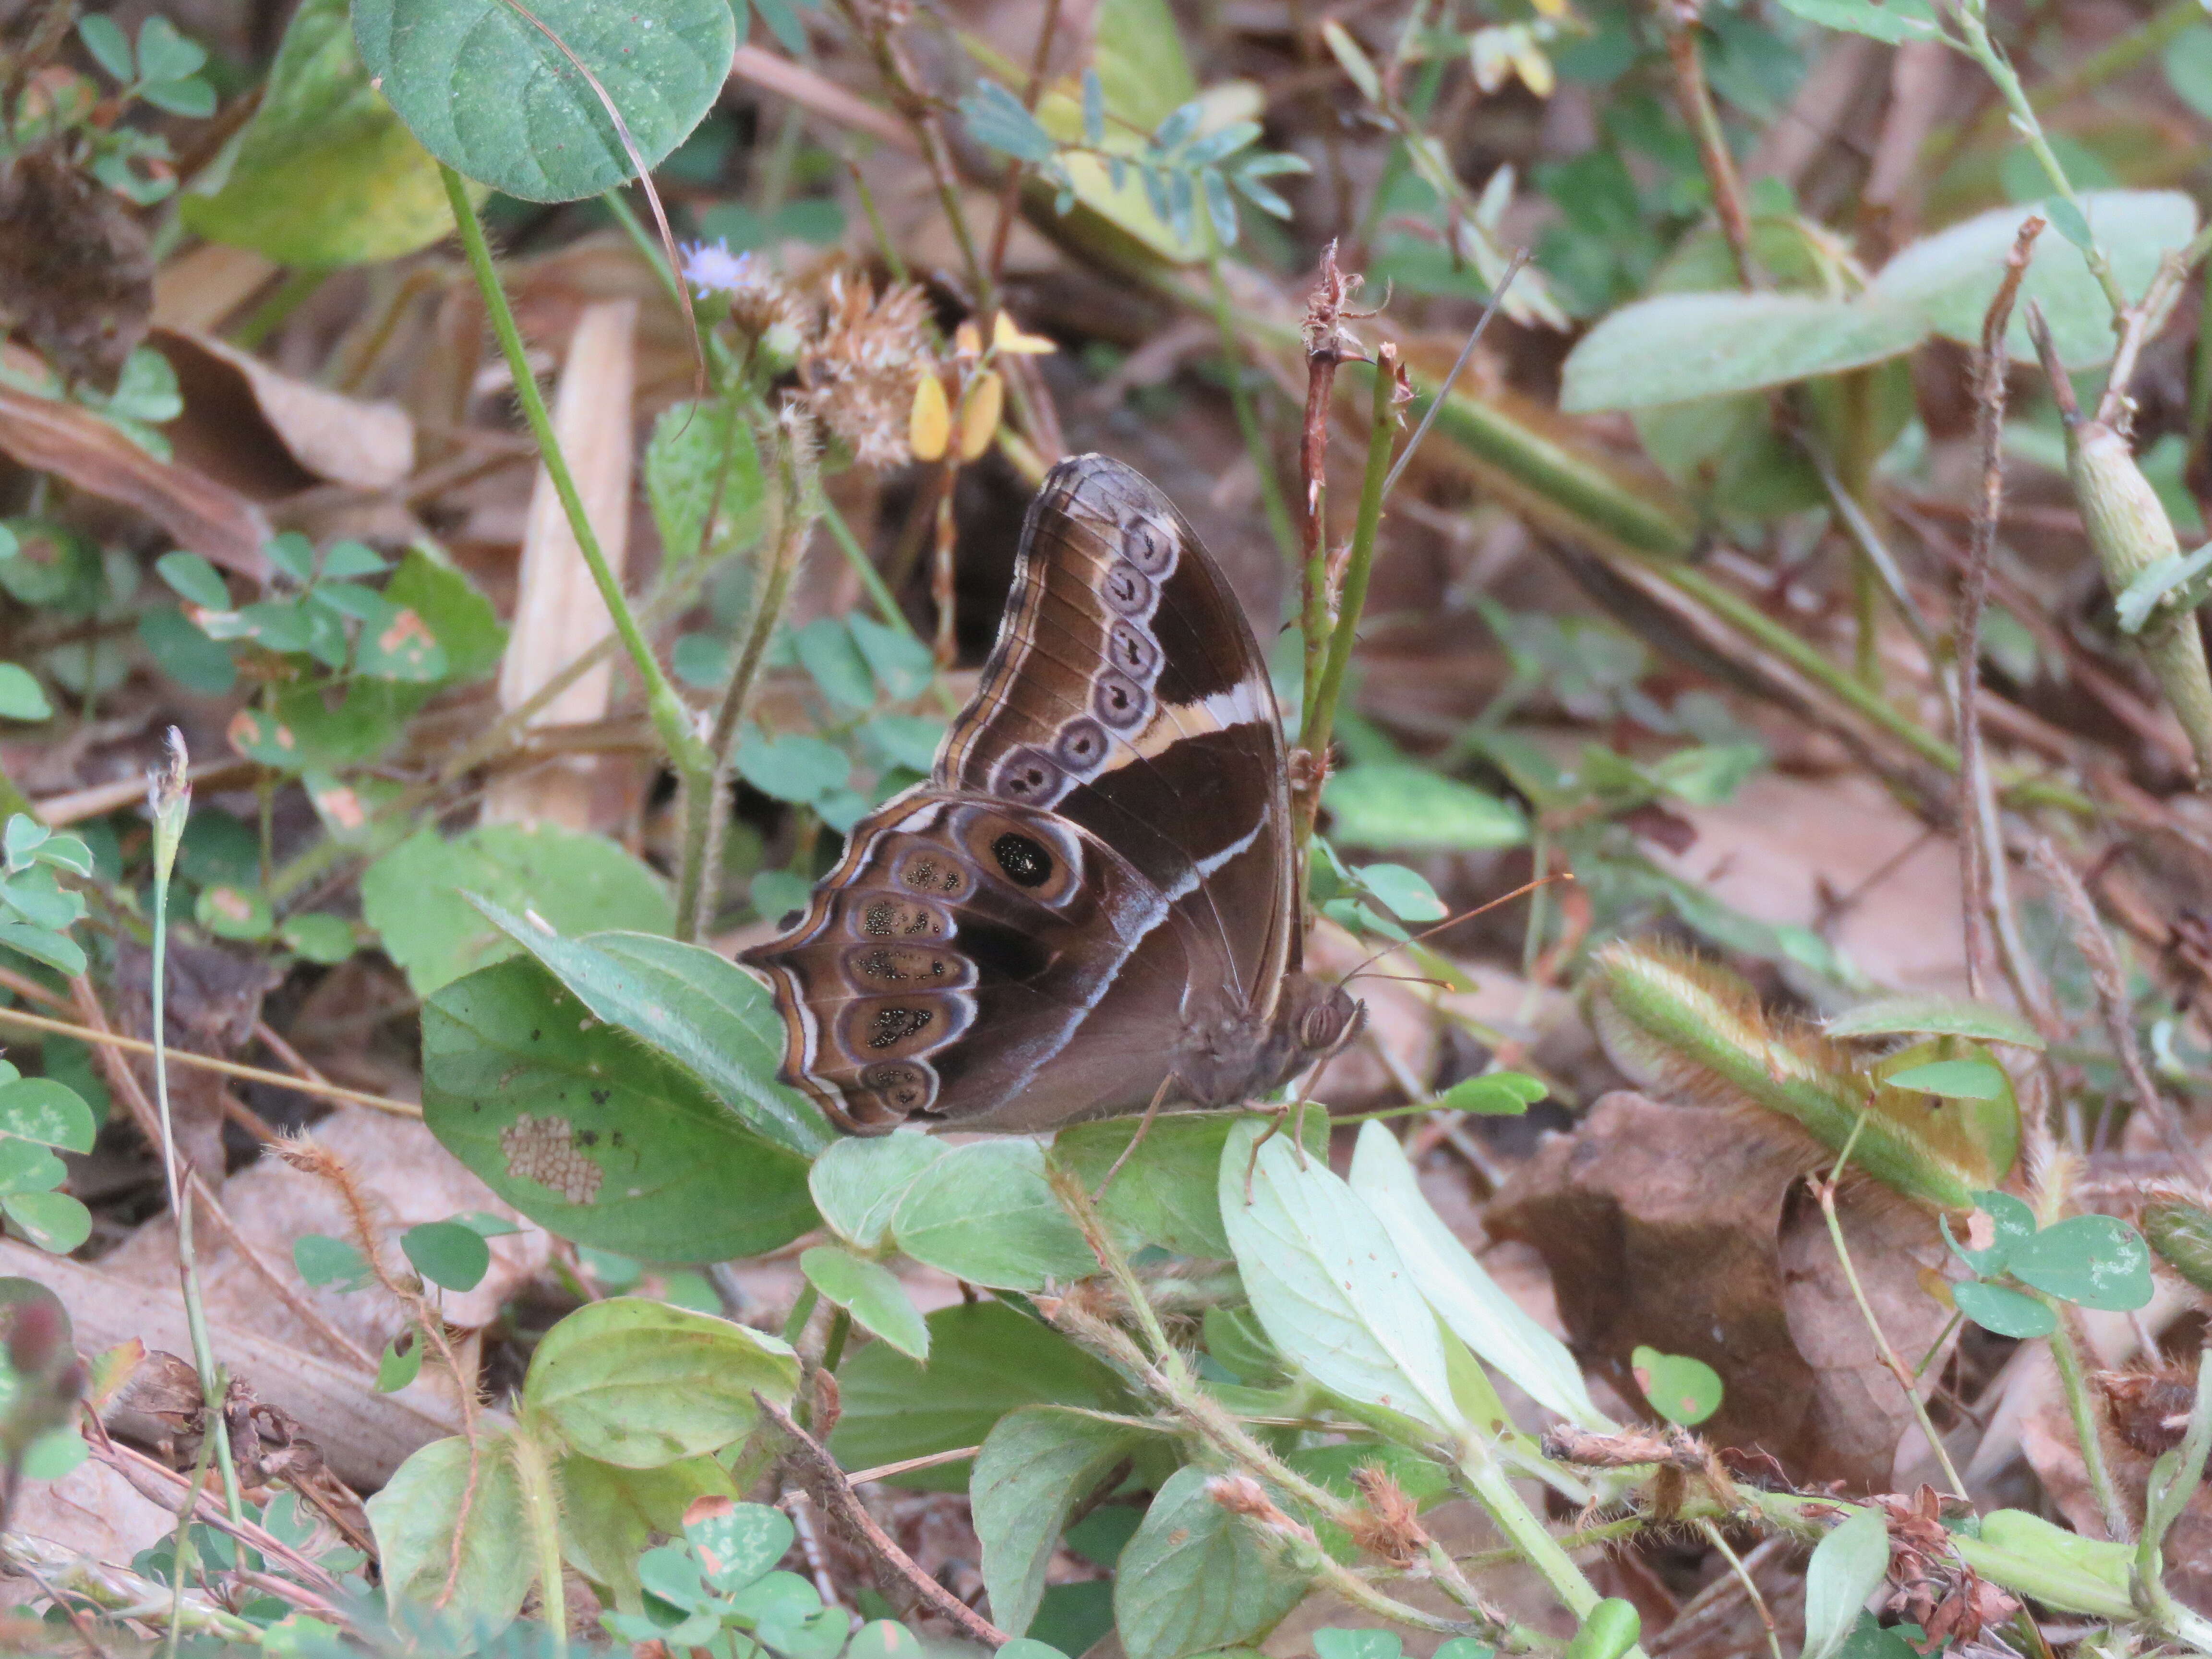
(540, 1491)
(2067, 1359)
(1485, 1480)
(2173, 1481)
(687, 753)
(1248, 419)
(1351, 594)
(1705, 123)
(833, 1346)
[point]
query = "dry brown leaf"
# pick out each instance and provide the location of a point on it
(267, 435)
(208, 518)
(91, 1510)
(198, 289)
(1674, 1226)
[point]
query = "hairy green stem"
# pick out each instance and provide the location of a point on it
(1483, 1479)
(540, 1488)
(687, 752)
(2173, 1481)
(2083, 1413)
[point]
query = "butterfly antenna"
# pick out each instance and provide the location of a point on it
(1497, 294)
(1454, 922)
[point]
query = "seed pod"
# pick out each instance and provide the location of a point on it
(2181, 1233)
(2130, 532)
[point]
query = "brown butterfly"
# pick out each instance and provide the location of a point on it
(1090, 904)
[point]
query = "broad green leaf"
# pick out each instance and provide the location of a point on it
(609, 1516)
(826, 650)
(2061, 1569)
(52, 1113)
(796, 769)
(984, 1212)
(448, 1254)
(1234, 1338)
(396, 643)
(326, 1263)
(1037, 1465)
(1953, 1079)
(1195, 1578)
(1327, 1283)
(452, 607)
(744, 1540)
(985, 1360)
(305, 733)
(1675, 347)
(2005, 1312)
(21, 697)
(414, 1519)
(702, 462)
(1936, 1016)
(694, 1006)
(1465, 1297)
(55, 1222)
(1679, 1388)
(2091, 1260)
(1392, 804)
(321, 938)
(44, 945)
(2012, 1224)
(902, 664)
(1406, 894)
(859, 1180)
(229, 912)
(1168, 1193)
(495, 98)
(1950, 278)
(27, 1167)
(400, 1362)
(1497, 1094)
(110, 48)
(593, 1136)
(325, 175)
(642, 1384)
(1889, 20)
(578, 883)
(886, 1638)
(1847, 1566)
(871, 1293)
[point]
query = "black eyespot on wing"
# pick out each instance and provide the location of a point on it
(894, 1026)
(1148, 547)
(790, 921)
(931, 872)
(1028, 774)
(1026, 862)
(903, 1087)
(1132, 650)
(1125, 590)
(890, 918)
(1118, 700)
(1082, 744)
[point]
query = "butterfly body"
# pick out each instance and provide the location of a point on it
(1093, 895)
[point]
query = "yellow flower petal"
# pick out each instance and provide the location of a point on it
(929, 422)
(979, 413)
(1005, 336)
(968, 340)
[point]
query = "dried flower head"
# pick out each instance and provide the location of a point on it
(860, 368)
(1240, 1494)
(1329, 309)
(760, 300)
(1390, 1525)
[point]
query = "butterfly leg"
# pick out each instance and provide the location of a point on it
(1144, 1128)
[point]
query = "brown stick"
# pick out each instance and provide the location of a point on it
(827, 1485)
(2105, 972)
(158, 1484)
(1680, 21)
(124, 1082)
(1974, 855)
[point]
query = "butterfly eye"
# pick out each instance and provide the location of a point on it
(1025, 861)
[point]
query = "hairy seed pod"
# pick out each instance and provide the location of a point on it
(2181, 1233)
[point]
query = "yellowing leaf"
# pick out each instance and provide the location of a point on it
(929, 422)
(979, 414)
(1006, 335)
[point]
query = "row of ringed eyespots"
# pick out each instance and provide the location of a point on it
(1121, 690)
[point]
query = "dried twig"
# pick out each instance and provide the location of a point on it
(1680, 19)
(826, 1484)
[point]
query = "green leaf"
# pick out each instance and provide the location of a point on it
(52, 1113)
(985, 1361)
(21, 697)
(109, 47)
(2061, 1569)
(186, 654)
(1327, 1283)
(1357, 1644)
(1405, 893)
(1498, 1094)
(1676, 347)
(1679, 1388)
(414, 1519)
(397, 644)
(400, 1362)
(468, 629)
(2176, 584)
(908, 740)
(593, 1137)
(55, 1222)
(1889, 20)
(230, 912)
(1395, 804)
(2188, 64)
(318, 939)
(641, 1384)
(1168, 1193)
(492, 96)
(2013, 1224)
(2005, 1312)
(1608, 1630)
(43, 944)
(695, 1006)
(871, 1293)
(448, 1254)
(1491, 1323)
(1935, 1016)
(609, 1516)
(578, 883)
(2091, 1260)
(702, 460)
(1847, 1564)
(27, 1167)
(859, 1180)
(331, 1263)
(902, 665)
(1950, 278)
(1195, 1578)
(193, 578)
(998, 120)
(54, 1454)
(984, 1212)
(1953, 1079)
(832, 660)
(798, 769)
(166, 55)
(745, 1540)
(1037, 1465)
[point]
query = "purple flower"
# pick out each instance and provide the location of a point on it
(711, 268)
